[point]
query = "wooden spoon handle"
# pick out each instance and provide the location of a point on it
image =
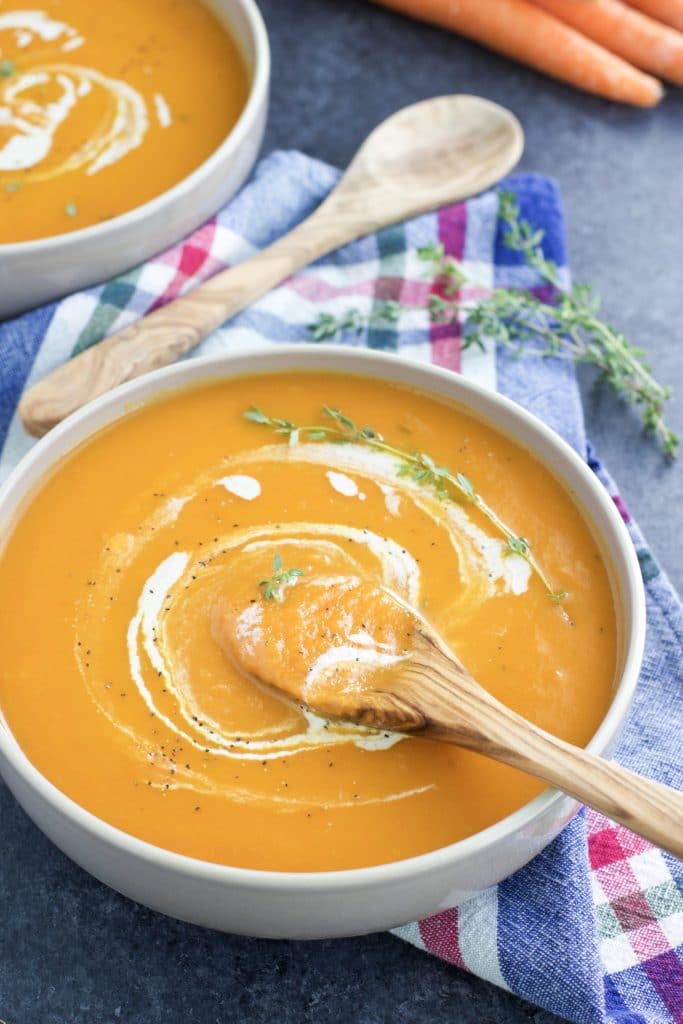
(454, 707)
(162, 336)
(647, 807)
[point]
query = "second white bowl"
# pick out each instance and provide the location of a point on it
(35, 272)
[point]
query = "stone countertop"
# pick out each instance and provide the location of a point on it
(73, 951)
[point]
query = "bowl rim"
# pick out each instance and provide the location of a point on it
(279, 358)
(257, 98)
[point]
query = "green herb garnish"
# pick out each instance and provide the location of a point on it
(417, 466)
(517, 546)
(13, 186)
(71, 210)
(328, 327)
(567, 326)
(7, 68)
(271, 589)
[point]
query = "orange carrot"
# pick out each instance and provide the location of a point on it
(670, 12)
(521, 30)
(632, 35)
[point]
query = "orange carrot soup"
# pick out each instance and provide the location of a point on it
(103, 106)
(187, 518)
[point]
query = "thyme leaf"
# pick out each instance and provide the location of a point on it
(271, 588)
(517, 546)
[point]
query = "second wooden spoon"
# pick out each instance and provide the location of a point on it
(425, 156)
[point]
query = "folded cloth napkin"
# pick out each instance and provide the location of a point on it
(592, 929)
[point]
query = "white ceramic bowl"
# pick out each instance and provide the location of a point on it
(326, 904)
(35, 272)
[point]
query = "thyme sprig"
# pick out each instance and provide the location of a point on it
(271, 589)
(417, 466)
(565, 326)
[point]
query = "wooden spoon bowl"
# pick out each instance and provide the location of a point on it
(468, 141)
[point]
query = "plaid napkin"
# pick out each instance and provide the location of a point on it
(592, 929)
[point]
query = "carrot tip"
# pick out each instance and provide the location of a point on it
(658, 93)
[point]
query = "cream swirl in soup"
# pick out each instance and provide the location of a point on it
(191, 691)
(104, 106)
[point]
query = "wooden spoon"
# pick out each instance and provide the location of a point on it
(425, 156)
(429, 693)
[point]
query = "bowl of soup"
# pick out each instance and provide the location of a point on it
(153, 761)
(123, 127)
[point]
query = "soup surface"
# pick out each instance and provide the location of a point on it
(105, 105)
(114, 581)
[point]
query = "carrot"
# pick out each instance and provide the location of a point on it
(632, 35)
(668, 11)
(523, 31)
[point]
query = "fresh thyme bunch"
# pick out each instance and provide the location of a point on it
(568, 327)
